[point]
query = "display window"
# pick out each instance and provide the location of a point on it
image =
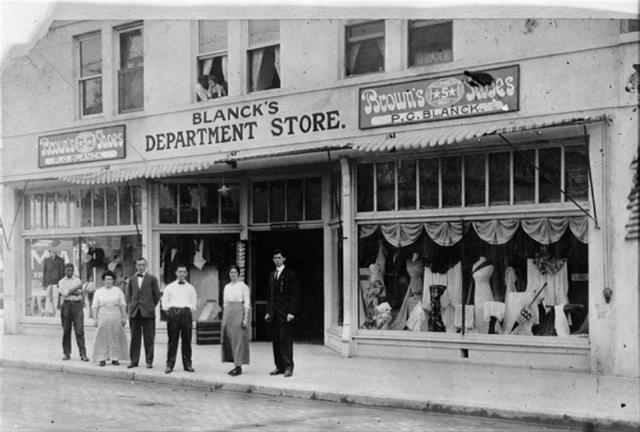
(207, 257)
(91, 256)
(502, 276)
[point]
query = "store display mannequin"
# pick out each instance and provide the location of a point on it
(435, 319)
(482, 272)
(412, 314)
(374, 292)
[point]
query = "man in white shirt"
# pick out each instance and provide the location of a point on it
(70, 288)
(179, 301)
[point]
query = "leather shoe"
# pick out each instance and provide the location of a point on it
(168, 370)
(275, 372)
(131, 365)
(149, 365)
(66, 357)
(189, 369)
(115, 363)
(103, 363)
(288, 373)
(84, 358)
(236, 371)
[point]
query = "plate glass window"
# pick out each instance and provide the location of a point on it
(90, 82)
(364, 48)
(430, 42)
(131, 70)
(264, 55)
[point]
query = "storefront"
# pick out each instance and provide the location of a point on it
(429, 216)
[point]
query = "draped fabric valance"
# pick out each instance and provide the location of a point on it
(495, 232)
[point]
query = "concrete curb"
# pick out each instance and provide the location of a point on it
(436, 406)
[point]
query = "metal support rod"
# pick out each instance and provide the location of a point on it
(593, 197)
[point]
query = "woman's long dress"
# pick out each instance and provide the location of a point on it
(235, 339)
(111, 339)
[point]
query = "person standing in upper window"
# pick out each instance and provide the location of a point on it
(70, 288)
(282, 310)
(179, 300)
(142, 296)
(202, 89)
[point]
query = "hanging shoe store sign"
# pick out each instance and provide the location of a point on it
(93, 145)
(472, 93)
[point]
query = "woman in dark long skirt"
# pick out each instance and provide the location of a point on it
(235, 322)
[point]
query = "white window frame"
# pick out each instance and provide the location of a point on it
(118, 31)
(257, 45)
(200, 56)
(78, 55)
(347, 41)
(426, 23)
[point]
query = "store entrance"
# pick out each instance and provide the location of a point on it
(305, 256)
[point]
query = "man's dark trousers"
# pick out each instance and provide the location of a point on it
(179, 325)
(282, 342)
(145, 328)
(71, 314)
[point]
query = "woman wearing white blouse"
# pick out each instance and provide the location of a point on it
(235, 322)
(110, 316)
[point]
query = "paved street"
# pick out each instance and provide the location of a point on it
(41, 400)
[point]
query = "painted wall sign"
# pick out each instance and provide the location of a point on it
(440, 98)
(91, 145)
(242, 124)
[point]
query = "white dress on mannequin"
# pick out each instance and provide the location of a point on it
(482, 278)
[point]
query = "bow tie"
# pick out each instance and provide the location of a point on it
(140, 275)
(180, 283)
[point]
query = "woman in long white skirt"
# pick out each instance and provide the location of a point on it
(110, 316)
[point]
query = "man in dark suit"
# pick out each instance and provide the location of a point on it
(142, 296)
(52, 271)
(282, 310)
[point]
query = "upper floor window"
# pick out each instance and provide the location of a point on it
(364, 48)
(264, 55)
(430, 42)
(212, 60)
(629, 25)
(90, 76)
(131, 70)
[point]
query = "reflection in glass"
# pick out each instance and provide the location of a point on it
(51, 209)
(549, 178)
(209, 203)
(276, 201)
(499, 178)
(189, 203)
(429, 183)
(87, 217)
(62, 210)
(451, 181)
(294, 200)
(125, 205)
(112, 205)
(524, 176)
(230, 205)
(168, 203)
(75, 209)
(406, 185)
(576, 172)
(136, 191)
(313, 200)
(385, 186)
(474, 184)
(260, 202)
(365, 187)
(98, 207)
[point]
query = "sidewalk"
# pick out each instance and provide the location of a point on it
(454, 387)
